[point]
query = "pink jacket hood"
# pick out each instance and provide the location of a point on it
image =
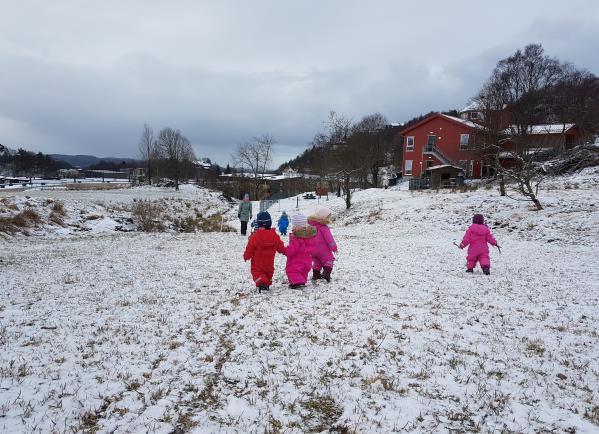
(479, 230)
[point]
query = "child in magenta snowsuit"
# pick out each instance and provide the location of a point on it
(324, 246)
(299, 251)
(476, 238)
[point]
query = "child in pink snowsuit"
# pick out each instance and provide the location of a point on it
(476, 238)
(299, 251)
(322, 258)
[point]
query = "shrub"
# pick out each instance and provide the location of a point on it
(58, 209)
(57, 213)
(19, 222)
(213, 223)
(147, 216)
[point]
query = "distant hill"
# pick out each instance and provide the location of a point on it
(84, 161)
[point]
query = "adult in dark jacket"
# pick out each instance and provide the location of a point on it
(245, 213)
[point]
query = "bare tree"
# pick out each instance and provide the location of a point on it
(148, 150)
(177, 154)
(575, 99)
(517, 86)
(371, 145)
(346, 163)
(256, 157)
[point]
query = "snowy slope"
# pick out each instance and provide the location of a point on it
(152, 332)
(101, 211)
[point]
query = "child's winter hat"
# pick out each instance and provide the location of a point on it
(322, 213)
(263, 220)
(478, 219)
(299, 220)
(284, 213)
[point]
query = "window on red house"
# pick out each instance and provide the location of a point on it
(464, 140)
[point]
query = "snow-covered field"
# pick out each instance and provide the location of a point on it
(101, 211)
(134, 332)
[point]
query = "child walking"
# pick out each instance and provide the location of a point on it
(261, 249)
(324, 244)
(299, 251)
(283, 223)
(476, 238)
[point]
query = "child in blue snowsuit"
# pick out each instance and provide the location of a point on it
(283, 223)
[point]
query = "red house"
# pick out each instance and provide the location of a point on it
(447, 140)
(441, 140)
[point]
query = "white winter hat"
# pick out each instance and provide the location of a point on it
(299, 220)
(322, 213)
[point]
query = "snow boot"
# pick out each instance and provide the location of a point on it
(316, 275)
(486, 270)
(296, 285)
(326, 273)
(470, 270)
(263, 287)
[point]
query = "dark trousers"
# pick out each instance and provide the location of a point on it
(244, 227)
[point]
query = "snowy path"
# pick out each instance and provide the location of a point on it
(139, 332)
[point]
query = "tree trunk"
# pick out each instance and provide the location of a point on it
(347, 193)
(375, 177)
(527, 190)
(502, 186)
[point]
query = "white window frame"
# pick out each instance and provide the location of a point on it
(406, 170)
(464, 146)
(408, 147)
(471, 168)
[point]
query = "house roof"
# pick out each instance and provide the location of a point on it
(444, 166)
(453, 119)
(462, 121)
(544, 129)
(471, 107)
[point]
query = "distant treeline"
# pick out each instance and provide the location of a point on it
(27, 163)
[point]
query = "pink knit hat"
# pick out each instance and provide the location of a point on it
(322, 213)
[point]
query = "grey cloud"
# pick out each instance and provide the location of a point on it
(225, 72)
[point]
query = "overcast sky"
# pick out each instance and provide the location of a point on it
(82, 77)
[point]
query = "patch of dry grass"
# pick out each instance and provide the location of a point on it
(95, 186)
(213, 223)
(57, 213)
(19, 222)
(147, 216)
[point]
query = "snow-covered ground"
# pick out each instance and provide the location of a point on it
(101, 211)
(36, 183)
(134, 332)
